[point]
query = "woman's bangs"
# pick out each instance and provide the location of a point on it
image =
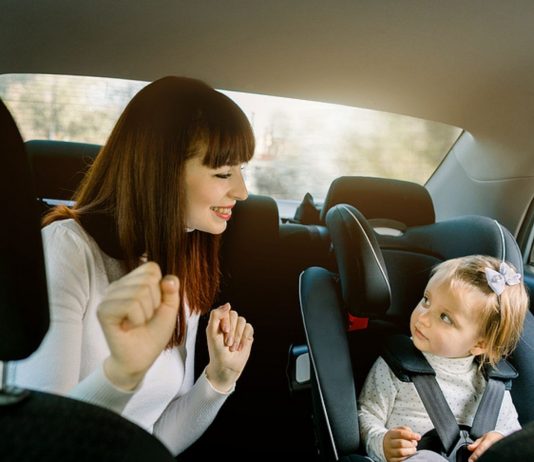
(230, 147)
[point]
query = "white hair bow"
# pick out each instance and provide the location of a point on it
(498, 280)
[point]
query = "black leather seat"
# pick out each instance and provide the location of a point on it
(58, 168)
(379, 281)
(34, 425)
(380, 199)
(259, 278)
(517, 447)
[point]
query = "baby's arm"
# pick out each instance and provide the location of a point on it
(400, 443)
(508, 420)
(479, 446)
(507, 423)
(375, 405)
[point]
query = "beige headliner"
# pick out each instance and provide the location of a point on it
(465, 63)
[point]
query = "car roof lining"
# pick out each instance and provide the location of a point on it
(366, 53)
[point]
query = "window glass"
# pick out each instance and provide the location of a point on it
(68, 108)
(530, 260)
(302, 146)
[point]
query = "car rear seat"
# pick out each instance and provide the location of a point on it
(58, 167)
(260, 278)
(382, 200)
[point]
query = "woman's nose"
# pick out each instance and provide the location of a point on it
(239, 188)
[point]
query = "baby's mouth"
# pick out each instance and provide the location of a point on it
(420, 334)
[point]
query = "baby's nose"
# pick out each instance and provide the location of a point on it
(424, 318)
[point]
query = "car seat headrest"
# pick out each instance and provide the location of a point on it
(254, 225)
(362, 272)
(59, 166)
(380, 198)
(24, 317)
(460, 236)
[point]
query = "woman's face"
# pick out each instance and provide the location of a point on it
(211, 194)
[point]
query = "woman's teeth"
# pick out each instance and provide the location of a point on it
(222, 210)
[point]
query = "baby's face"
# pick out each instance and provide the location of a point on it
(444, 322)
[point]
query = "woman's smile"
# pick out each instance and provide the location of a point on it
(224, 213)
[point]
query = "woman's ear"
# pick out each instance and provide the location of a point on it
(479, 348)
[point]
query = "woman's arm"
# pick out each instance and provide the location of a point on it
(137, 315)
(186, 418)
(230, 340)
(55, 366)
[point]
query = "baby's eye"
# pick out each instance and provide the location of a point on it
(445, 318)
(425, 302)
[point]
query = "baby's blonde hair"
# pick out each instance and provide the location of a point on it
(501, 316)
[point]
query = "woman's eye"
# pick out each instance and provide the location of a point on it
(445, 318)
(224, 176)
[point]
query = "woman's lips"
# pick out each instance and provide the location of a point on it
(225, 213)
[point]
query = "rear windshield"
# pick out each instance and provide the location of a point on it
(302, 146)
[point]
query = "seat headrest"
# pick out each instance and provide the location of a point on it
(380, 198)
(411, 256)
(24, 317)
(59, 166)
(460, 236)
(254, 225)
(362, 271)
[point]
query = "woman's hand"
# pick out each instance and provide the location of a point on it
(481, 444)
(400, 443)
(230, 339)
(138, 316)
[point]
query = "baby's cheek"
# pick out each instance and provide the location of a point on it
(443, 345)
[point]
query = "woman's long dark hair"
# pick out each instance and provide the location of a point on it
(137, 181)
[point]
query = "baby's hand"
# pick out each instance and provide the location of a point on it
(484, 442)
(400, 443)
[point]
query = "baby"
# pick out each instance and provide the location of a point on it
(471, 313)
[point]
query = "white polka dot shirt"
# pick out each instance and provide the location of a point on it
(385, 402)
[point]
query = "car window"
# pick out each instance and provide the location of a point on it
(302, 146)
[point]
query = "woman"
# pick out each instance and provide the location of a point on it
(161, 190)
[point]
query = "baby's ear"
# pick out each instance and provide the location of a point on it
(479, 348)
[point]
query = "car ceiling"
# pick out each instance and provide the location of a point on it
(469, 64)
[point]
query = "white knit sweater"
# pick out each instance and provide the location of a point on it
(385, 402)
(70, 359)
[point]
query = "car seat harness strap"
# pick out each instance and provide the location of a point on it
(437, 408)
(409, 365)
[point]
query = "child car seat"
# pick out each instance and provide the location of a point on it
(381, 279)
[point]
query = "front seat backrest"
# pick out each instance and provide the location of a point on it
(35, 425)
